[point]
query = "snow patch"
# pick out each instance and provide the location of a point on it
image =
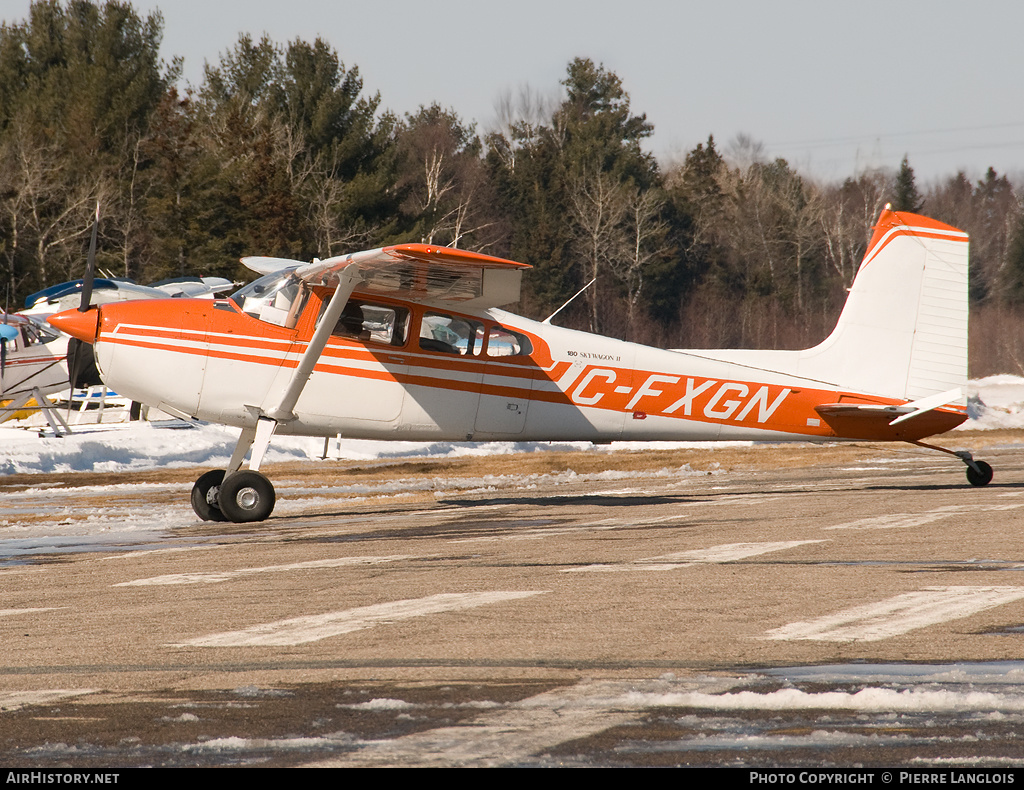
(995, 402)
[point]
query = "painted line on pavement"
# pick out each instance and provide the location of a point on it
(299, 630)
(520, 730)
(214, 577)
(905, 520)
(896, 616)
(12, 612)
(12, 700)
(537, 533)
(727, 552)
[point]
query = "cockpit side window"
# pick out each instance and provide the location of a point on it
(376, 323)
(31, 334)
(277, 298)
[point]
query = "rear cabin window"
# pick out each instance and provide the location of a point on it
(450, 335)
(503, 343)
(374, 323)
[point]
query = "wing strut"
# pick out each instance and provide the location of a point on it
(348, 279)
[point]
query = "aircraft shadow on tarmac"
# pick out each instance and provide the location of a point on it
(468, 505)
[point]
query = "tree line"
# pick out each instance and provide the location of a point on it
(280, 151)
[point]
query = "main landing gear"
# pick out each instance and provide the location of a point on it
(242, 496)
(235, 494)
(979, 473)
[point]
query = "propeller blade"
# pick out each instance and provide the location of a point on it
(90, 265)
(74, 360)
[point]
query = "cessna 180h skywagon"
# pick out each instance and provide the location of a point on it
(407, 342)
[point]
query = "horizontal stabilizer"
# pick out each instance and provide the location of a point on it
(906, 422)
(924, 405)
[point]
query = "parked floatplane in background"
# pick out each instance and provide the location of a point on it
(64, 296)
(32, 366)
(407, 342)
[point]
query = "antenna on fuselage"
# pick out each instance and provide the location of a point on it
(560, 309)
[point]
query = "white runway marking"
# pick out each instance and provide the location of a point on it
(905, 520)
(633, 522)
(895, 616)
(11, 612)
(533, 534)
(538, 533)
(739, 499)
(892, 521)
(523, 729)
(728, 552)
(131, 555)
(312, 628)
(12, 700)
(214, 577)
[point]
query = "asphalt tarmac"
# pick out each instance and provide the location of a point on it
(534, 615)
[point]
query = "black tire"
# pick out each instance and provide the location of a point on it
(981, 476)
(205, 494)
(246, 496)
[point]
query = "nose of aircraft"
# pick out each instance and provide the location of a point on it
(76, 323)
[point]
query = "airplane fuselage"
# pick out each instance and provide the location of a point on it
(504, 378)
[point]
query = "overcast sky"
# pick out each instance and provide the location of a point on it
(833, 87)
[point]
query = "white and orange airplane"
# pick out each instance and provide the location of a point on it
(407, 342)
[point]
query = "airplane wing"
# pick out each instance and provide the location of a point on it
(417, 272)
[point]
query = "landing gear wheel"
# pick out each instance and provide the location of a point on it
(981, 476)
(204, 496)
(246, 496)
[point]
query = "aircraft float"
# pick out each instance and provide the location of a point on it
(408, 342)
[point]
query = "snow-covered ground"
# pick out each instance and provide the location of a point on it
(994, 402)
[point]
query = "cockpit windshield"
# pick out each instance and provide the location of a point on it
(277, 298)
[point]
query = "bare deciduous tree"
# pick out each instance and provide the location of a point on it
(598, 206)
(642, 240)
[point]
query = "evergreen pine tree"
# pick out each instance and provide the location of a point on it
(907, 197)
(1012, 285)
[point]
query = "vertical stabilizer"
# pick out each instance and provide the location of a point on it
(903, 331)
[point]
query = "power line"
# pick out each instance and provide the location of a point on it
(829, 141)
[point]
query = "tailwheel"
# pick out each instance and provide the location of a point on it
(246, 496)
(205, 493)
(978, 473)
